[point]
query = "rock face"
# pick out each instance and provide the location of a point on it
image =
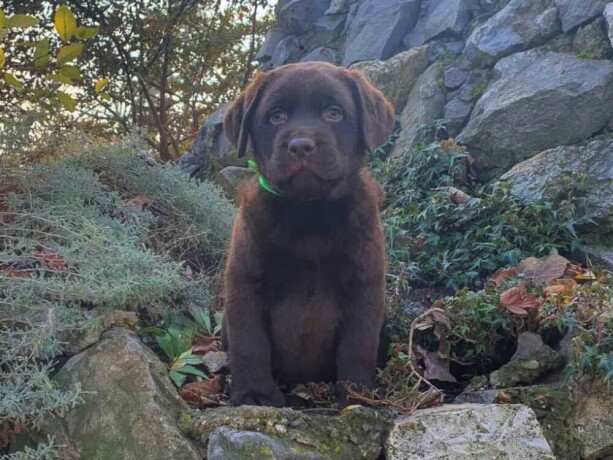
(608, 16)
(396, 76)
(540, 101)
(448, 18)
(133, 408)
(469, 431)
(587, 167)
(520, 25)
(377, 30)
(574, 13)
(426, 103)
(298, 16)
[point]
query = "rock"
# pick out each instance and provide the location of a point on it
(608, 16)
(457, 112)
(447, 17)
(547, 101)
(132, 410)
(591, 41)
(438, 49)
(216, 362)
(247, 431)
(396, 76)
(469, 431)
(337, 7)
(425, 105)
(573, 13)
(531, 360)
(298, 16)
(231, 178)
(520, 25)
(228, 444)
(599, 254)
(272, 39)
(588, 167)
(329, 28)
(212, 149)
(592, 424)
(454, 78)
(378, 28)
(474, 86)
(322, 54)
(286, 51)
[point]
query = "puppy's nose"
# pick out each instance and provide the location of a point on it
(301, 146)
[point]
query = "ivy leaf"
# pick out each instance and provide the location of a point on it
(84, 33)
(41, 53)
(71, 71)
(66, 100)
(20, 21)
(2, 58)
(100, 85)
(65, 23)
(69, 52)
(10, 80)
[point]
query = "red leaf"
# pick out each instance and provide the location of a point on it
(198, 392)
(517, 300)
(501, 276)
(544, 269)
(202, 344)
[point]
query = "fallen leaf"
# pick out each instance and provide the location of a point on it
(141, 200)
(10, 273)
(588, 275)
(572, 270)
(202, 344)
(502, 275)
(436, 365)
(502, 397)
(544, 269)
(458, 196)
(198, 392)
(517, 300)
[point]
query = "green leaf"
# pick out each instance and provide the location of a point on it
(177, 378)
(2, 18)
(60, 78)
(68, 53)
(3, 33)
(84, 33)
(65, 23)
(106, 97)
(167, 344)
(2, 58)
(41, 53)
(192, 370)
(153, 330)
(71, 71)
(10, 80)
(66, 100)
(100, 85)
(20, 21)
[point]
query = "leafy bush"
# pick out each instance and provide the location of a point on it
(443, 229)
(81, 238)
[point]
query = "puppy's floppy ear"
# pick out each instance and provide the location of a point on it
(237, 120)
(375, 113)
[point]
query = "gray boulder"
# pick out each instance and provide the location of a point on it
(573, 13)
(591, 41)
(397, 75)
(272, 39)
(377, 30)
(130, 407)
(298, 16)
(469, 431)
(457, 112)
(448, 17)
(286, 51)
(425, 105)
(231, 178)
(608, 16)
(322, 54)
(539, 102)
(520, 25)
(586, 167)
(454, 78)
(329, 28)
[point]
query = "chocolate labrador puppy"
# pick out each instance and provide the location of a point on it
(305, 276)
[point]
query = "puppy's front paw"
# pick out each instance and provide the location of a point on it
(269, 397)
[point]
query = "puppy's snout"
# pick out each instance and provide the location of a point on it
(301, 147)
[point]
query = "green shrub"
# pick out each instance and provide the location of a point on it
(83, 237)
(436, 241)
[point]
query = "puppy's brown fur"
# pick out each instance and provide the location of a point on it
(305, 273)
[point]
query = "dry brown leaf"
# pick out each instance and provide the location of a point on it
(197, 392)
(517, 300)
(572, 270)
(458, 196)
(141, 200)
(9, 273)
(544, 269)
(202, 344)
(502, 275)
(51, 261)
(436, 366)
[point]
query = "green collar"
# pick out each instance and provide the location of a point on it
(262, 180)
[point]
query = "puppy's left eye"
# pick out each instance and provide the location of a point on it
(333, 113)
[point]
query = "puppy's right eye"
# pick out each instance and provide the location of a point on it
(277, 116)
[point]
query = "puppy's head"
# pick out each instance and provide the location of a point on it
(309, 126)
